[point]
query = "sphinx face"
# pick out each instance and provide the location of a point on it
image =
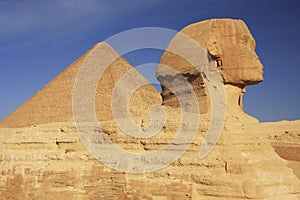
(234, 49)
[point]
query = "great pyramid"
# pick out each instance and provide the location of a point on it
(53, 103)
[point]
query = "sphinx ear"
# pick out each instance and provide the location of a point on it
(214, 47)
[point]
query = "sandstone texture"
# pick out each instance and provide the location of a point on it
(231, 47)
(229, 43)
(46, 161)
(285, 139)
(43, 157)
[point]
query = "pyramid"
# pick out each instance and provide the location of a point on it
(53, 103)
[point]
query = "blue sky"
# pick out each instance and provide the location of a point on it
(39, 39)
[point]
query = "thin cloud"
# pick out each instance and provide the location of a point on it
(17, 17)
(23, 16)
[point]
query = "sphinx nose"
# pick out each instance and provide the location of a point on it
(258, 61)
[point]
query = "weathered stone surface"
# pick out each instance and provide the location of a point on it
(231, 47)
(229, 43)
(285, 139)
(49, 161)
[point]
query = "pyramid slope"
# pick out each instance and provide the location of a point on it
(53, 103)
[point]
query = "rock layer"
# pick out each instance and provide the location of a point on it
(49, 161)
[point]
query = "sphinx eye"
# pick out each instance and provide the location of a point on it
(218, 63)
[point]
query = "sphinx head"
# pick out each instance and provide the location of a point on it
(232, 49)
